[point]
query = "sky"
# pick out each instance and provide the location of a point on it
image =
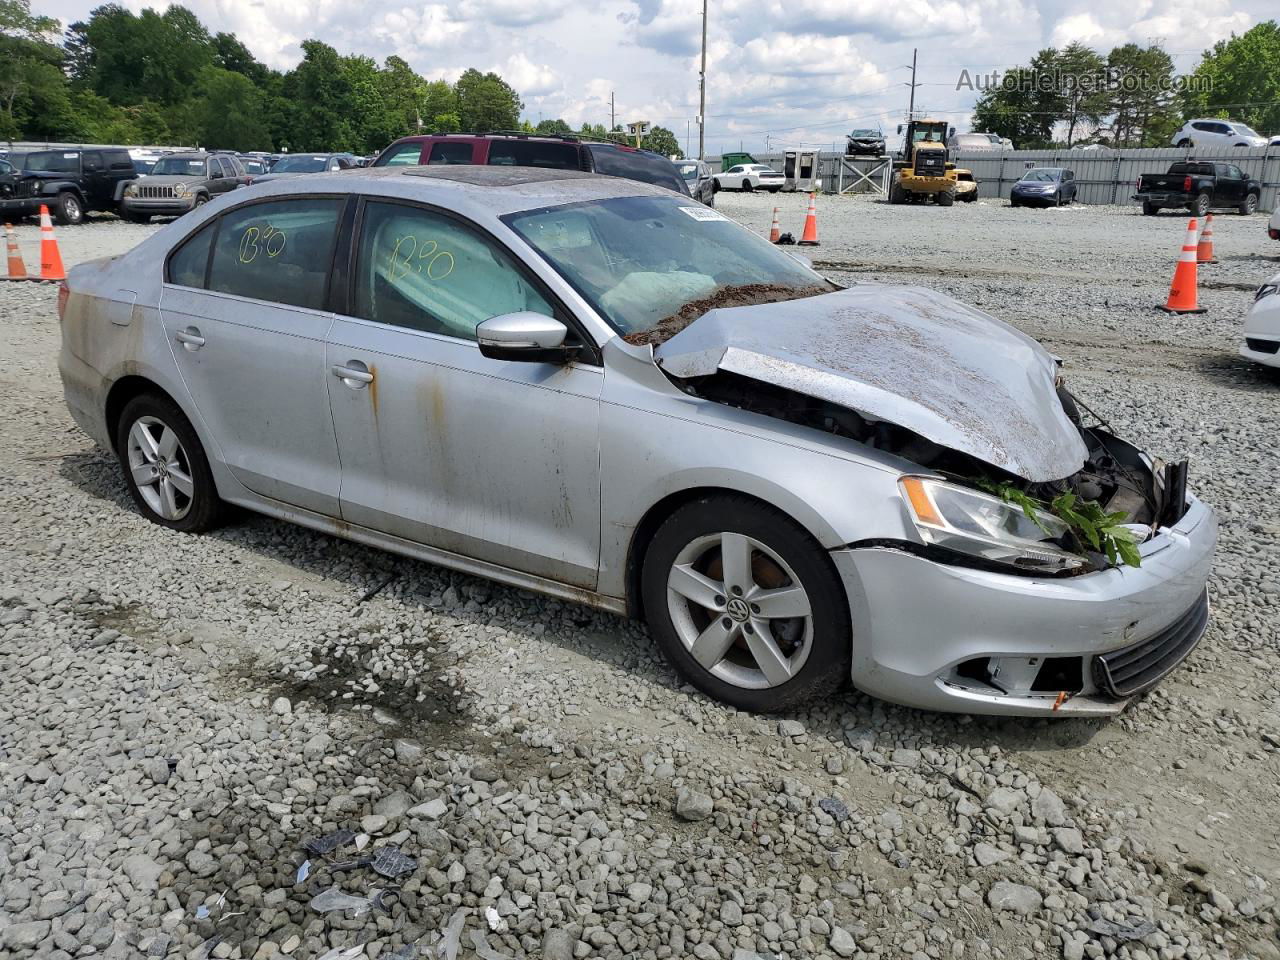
(781, 73)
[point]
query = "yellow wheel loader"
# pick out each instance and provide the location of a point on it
(922, 170)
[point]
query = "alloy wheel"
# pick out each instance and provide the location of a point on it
(160, 469)
(740, 610)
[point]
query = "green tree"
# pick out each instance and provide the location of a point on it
(486, 102)
(1142, 99)
(1240, 78)
(26, 56)
(552, 127)
(228, 111)
(403, 96)
(322, 96)
(1025, 103)
(663, 141)
(1084, 99)
(151, 56)
(230, 54)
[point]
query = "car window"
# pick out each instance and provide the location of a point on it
(6, 166)
(188, 264)
(237, 168)
(1234, 172)
(404, 155)
(424, 271)
(91, 161)
(735, 170)
(634, 165)
(278, 251)
(523, 153)
(1200, 126)
(450, 151)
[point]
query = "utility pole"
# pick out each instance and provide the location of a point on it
(702, 90)
(911, 107)
(612, 119)
(688, 132)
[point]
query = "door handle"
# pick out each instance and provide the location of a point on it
(190, 338)
(353, 376)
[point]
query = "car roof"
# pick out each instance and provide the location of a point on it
(468, 188)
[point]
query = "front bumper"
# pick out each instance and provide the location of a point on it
(1047, 199)
(919, 626)
(157, 206)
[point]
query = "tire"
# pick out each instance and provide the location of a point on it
(1149, 209)
(944, 199)
(1014, 203)
(897, 194)
(1057, 199)
(1184, 143)
(201, 200)
(774, 189)
(746, 186)
(1250, 205)
(164, 501)
(1201, 205)
(68, 209)
(810, 651)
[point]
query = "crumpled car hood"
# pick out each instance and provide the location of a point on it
(955, 375)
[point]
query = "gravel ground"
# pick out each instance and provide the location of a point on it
(179, 715)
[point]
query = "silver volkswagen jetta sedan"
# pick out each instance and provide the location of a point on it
(597, 389)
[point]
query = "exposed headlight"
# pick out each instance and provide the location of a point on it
(131, 190)
(180, 189)
(1266, 290)
(955, 517)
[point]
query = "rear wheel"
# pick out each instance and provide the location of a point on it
(1250, 205)
(746, 604)
(746, 185)
(1184, 142)
(1201, 205)
(68, 210)
(165, 466)
(1149, 209)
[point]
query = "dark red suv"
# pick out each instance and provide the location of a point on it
(526, 150)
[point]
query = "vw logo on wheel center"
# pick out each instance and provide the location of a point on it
(737, 608)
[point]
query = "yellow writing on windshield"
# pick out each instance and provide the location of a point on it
(419, 256)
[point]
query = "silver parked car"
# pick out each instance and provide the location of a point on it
(597, 389)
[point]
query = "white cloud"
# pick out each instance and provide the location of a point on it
(529, 79)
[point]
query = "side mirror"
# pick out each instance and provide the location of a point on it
(801, 259)
(951, 131)
(899, 128)
(531, 337)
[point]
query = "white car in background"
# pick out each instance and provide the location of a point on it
(1216, 132)
(1262, 323)
(750, 176)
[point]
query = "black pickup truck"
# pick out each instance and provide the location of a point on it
(69, 182)
(1198, 186)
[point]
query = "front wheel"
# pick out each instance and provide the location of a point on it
(897, 194)
(1184, 143)
(165, 466)
(68, 210)
(1250, 205)
(746, 185)
(945, 199)
(746, 604)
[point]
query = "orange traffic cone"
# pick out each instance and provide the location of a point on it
(774, 231)
(17, 269)
(810, 236)
(1182, 291)
(50, 259)
(1204, 249)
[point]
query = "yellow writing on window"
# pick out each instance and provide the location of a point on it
(268, 240)
(419, 256)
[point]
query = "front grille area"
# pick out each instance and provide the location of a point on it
(1123, 673)
(1262, 346)
(149, 192)
(930, 165)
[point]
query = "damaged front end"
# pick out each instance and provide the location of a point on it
(973, 402)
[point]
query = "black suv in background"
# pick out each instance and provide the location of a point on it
(530, 150)
(69, 182)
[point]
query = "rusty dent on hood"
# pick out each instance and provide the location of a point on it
(904, 355)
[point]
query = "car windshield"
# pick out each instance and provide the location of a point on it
(688, 170)
(53, 161)
(652, 265)
(178, 167)
(143, 166)
(1245, 131)
(1043, 175)
(865, 133)
(300, 165)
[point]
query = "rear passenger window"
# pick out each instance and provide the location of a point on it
(424, 271)
(450, 152)
(188, 263)
(405, 155)
(278, 251)
(522, 153)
